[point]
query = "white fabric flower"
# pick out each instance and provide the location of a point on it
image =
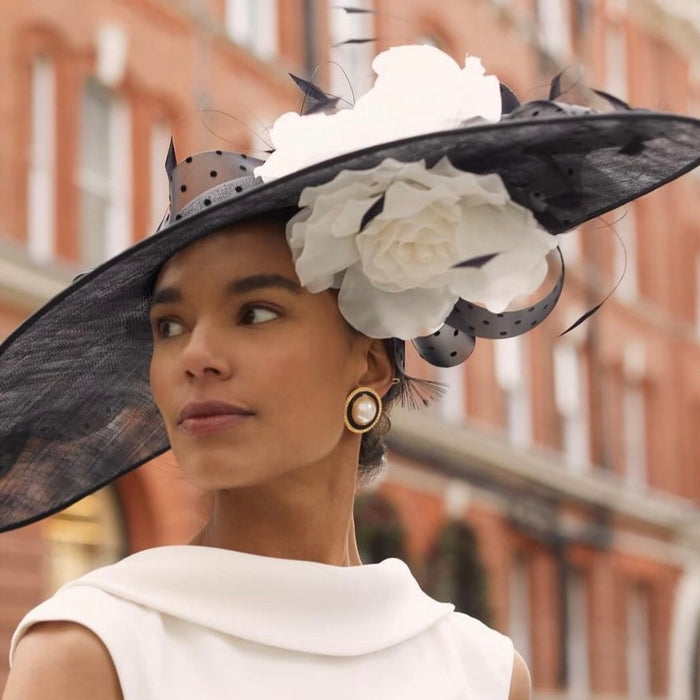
(396, 275)
(419, 90)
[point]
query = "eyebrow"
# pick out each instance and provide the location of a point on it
(244, 285)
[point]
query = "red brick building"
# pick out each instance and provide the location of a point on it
(575, 461)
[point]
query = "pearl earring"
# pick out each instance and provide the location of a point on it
(363, 408)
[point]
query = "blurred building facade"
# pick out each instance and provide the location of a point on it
(555, 490)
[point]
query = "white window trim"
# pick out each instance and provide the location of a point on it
(351, 71)
(255, 25)
(119, 217)
(520, 616)
(626, 228)
(571, 401)
(634, 435)
(616, 60)
(41, 192)
(159, 142)
(512, 377)
(638, 644)
(554, 21)
(634, 427)
(115, 187)
(577, 653)
(452, 406)
(570, 246)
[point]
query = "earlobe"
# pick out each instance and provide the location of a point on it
(380, 369)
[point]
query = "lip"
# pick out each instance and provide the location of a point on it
(204, 417)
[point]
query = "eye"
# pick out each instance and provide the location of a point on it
(168, 327)
(252, 315)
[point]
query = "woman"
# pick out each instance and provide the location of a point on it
(274, 341)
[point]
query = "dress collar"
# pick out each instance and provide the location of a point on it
(286, 603)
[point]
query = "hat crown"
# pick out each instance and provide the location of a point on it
(197, 174)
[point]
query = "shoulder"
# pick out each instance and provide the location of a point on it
(61, 660)
(520, 683)
(91, 629)
(491, 663)
(473, 635)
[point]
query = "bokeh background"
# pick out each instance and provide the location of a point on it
(554, 492)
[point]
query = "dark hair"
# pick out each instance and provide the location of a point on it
(372, 448)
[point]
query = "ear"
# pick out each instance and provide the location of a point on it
(379, 369)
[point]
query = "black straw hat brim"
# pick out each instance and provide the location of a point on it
(76, 409)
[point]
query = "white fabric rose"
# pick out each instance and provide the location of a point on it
(419, 90)
(396, 276)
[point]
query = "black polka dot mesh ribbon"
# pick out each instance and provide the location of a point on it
(455, 340)
(205, 179)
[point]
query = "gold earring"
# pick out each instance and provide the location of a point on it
(363, 408)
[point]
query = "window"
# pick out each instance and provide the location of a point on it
(351, 74)
(253, 24)
(519, 603)
(160, 142)
(378, 528)
(625, 225)
(577, 655)
(84, 536)
(616, 59)
(104, 173)
(42, 155)
(553, 17)
(457, 496)
(570, 384)
(455, 571)
(635, 434)
(570, 246)
(638, 648)
(634, 415)
(512, 379)
(451, 406)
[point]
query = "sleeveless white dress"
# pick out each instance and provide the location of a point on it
(188, 622)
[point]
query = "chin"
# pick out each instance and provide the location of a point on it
(209, 471)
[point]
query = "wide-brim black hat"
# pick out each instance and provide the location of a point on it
(76, 409)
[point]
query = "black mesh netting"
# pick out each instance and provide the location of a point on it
(75, 404)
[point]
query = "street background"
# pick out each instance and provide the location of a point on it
(554, 492)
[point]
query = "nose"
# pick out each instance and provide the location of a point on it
(205, 353)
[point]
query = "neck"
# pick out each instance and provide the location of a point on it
(306, 516)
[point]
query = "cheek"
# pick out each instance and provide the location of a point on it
(158, 381)
(307, 384)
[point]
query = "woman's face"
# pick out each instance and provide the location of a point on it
(249, 370)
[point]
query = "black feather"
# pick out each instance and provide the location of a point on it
(353, 41)
(478, 261)
(373, 211)
(315, 99)
(355, 10)
(170, 160)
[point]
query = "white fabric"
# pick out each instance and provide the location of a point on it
(184, 622)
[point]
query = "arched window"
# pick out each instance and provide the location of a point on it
(84, 536)
(456, 573)
(378, 529)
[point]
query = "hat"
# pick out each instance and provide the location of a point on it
(425, 206)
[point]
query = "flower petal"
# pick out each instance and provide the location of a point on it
(418, 90)
(380, 314)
